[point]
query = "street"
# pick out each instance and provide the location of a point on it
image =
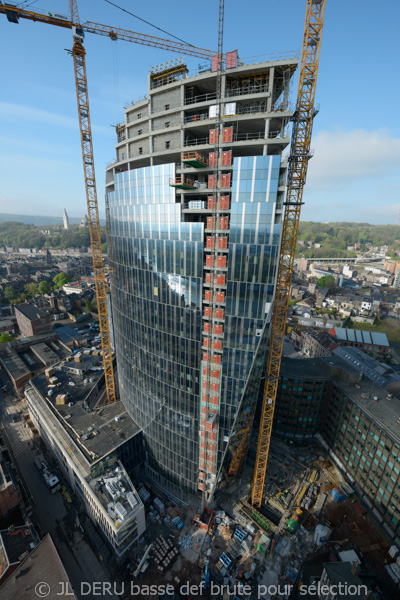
(55, 515)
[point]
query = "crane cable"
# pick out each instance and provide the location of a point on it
(148, 22)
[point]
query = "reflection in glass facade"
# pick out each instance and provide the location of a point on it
(157, 291)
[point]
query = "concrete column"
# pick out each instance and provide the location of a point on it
(182, 113)
(286, 88)
(223, 85)
(267, 124)
(271, 88)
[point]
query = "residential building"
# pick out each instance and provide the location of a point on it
(364, 340)
(42, 564)
(393, 266)
(302, 264)
(32, 320)
(349, 272)
(318, 343)
(15, 545)
(366, 304)
(339, 581)
(192, 291)
(320, 296)
(9, 498)
(73, 288)
(7, 326)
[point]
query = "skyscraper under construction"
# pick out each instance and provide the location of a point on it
(194, 259)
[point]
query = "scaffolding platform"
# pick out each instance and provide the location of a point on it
(194, 159)
(183, 183)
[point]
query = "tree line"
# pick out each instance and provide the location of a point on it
(19, 235)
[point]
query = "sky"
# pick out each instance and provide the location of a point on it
(354, 174)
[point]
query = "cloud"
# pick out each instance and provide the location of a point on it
(343, 158)
(19, 113)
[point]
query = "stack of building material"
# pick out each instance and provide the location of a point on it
(177, 522)
(159, 506)
(338, 494)
(185, 542)
(197, 204)
(164, 552)
(143, 493)
(225, 532)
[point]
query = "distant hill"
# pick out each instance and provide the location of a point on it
(337, 239)
(40, 220)
(22, 235)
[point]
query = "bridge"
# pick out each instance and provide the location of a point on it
(353, 260)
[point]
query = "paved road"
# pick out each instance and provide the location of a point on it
(55, 515)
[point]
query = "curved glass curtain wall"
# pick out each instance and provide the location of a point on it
(157, 295)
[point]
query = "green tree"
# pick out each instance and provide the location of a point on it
(61, 279)
(10, 293)
(327, 281)
(44, 287)
(31, 289)
(91, 306)
(5, 337)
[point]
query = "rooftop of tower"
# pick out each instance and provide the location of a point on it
(179, 102)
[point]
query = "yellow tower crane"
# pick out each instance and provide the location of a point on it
(78, 53)
(299, 156)
(298, 162)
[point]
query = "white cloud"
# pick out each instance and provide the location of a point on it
(347, 157)
(19, 112)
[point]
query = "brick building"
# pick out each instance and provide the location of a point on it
(32, 320)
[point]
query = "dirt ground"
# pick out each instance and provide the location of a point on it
(351, 524)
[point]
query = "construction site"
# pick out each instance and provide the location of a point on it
(172, 452)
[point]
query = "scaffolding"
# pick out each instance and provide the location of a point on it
(168, 73)
(254, 83)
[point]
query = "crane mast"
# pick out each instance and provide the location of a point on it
(78, 54)
(298, 162)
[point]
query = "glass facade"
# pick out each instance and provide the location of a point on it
(298, 407)
(157, 291)
(369, 454)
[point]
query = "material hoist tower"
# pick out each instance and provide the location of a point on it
(215, 268)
